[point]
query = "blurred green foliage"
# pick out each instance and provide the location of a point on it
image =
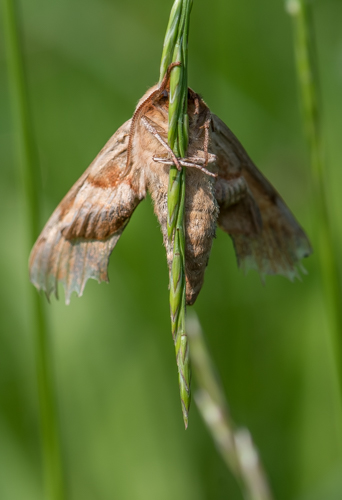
(88, 63)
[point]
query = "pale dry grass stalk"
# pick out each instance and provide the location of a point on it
(234, 445)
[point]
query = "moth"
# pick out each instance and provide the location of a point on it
(223, 187)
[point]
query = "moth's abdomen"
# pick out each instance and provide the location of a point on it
(199, 233)
(201, 212)
(230, 192)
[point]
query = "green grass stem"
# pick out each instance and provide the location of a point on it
(27, 159)
(176, 50)
(306, 63)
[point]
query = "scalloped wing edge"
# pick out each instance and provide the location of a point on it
(70, 262)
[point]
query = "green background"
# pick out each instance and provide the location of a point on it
(88, 63)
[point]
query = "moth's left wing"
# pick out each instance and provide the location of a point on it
(265, 234)
(77, 241)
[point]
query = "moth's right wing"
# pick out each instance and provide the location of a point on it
(77, 241)
(265, 233)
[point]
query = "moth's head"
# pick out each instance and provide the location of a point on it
(152, 98)
(147, 95)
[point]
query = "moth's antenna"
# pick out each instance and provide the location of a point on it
(139, 110)
(166, 78)
(135, 117)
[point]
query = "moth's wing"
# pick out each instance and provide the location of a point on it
(77, 241)
(277, 245)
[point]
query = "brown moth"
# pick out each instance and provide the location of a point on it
(223, 187)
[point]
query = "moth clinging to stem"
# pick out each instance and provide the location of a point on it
(223, 187)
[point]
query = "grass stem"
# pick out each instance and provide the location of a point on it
(306, 63)
(176, 50)
(27, 159)
(235, 445)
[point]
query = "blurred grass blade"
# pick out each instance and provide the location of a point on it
(53, 469)
(235, 445)
(306, 62)
(175, 50)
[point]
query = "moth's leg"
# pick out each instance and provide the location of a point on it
(153, 131)
(230, 192)
(207, 122)
(197, 160)
(201, 161)
(197, 104)
(196, 98)
(206, 127)
(185, 162)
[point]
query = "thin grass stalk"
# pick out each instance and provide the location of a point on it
(307, 72)
(235, 445)
(175, 50)
(27, 159)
